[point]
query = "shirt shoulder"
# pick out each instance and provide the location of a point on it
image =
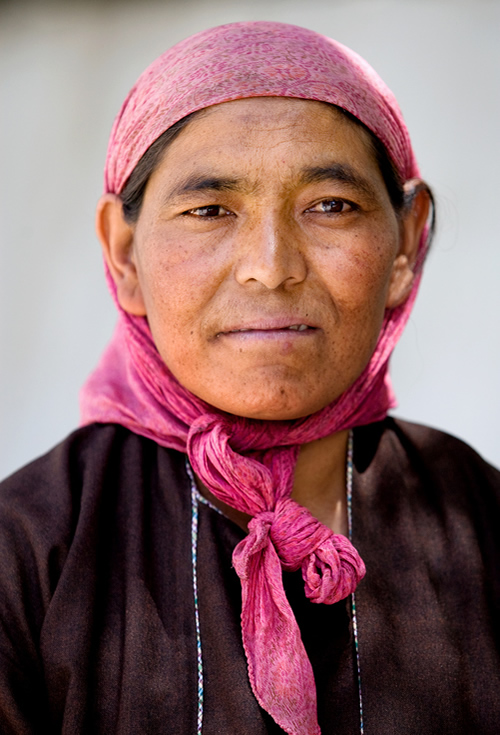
(430, 474)
(443, 452)
(97, 471)
(82, 462)
(429, 450)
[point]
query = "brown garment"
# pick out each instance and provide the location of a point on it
(97, 631)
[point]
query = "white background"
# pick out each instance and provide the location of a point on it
(64, 71)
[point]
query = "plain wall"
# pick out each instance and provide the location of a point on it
(64, 72)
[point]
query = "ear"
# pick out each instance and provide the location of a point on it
(117, 239)
(411, 227)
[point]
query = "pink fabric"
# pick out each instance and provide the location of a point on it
(250, 464)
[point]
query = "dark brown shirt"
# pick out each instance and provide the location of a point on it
(97, 623)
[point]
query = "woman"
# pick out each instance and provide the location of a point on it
(188, 560)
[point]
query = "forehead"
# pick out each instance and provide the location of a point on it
(296, 120)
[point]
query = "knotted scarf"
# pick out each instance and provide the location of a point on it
(246, 463)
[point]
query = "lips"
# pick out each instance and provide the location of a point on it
(293, 327)
(276, 323)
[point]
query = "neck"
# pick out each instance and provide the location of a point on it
(319, 484)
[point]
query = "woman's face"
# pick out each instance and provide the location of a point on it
(265, 255)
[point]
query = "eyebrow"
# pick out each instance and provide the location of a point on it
(338, 172)
(201, 182)
(315, 174)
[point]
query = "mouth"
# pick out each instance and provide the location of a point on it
(292, 327)
(282, 330)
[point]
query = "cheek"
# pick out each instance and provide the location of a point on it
(167, 264)
(359, 279)
(359, 274)
(178, 284)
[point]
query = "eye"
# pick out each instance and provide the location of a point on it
(332, 206)
(210, 211)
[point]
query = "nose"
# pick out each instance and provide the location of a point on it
(269, 254)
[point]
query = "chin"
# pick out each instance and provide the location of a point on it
(280, 407)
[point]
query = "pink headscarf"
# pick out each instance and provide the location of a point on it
(245, 463)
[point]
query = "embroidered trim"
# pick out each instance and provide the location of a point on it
(201, 499)
(349, 474)
(195, 498)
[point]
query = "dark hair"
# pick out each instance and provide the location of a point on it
(132, 193)
(400, 200)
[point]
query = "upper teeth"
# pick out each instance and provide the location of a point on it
(298, 327)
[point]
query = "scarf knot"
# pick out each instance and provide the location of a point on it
(331, 566)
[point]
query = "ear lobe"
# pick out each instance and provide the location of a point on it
(117, 237)
(412, 225)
